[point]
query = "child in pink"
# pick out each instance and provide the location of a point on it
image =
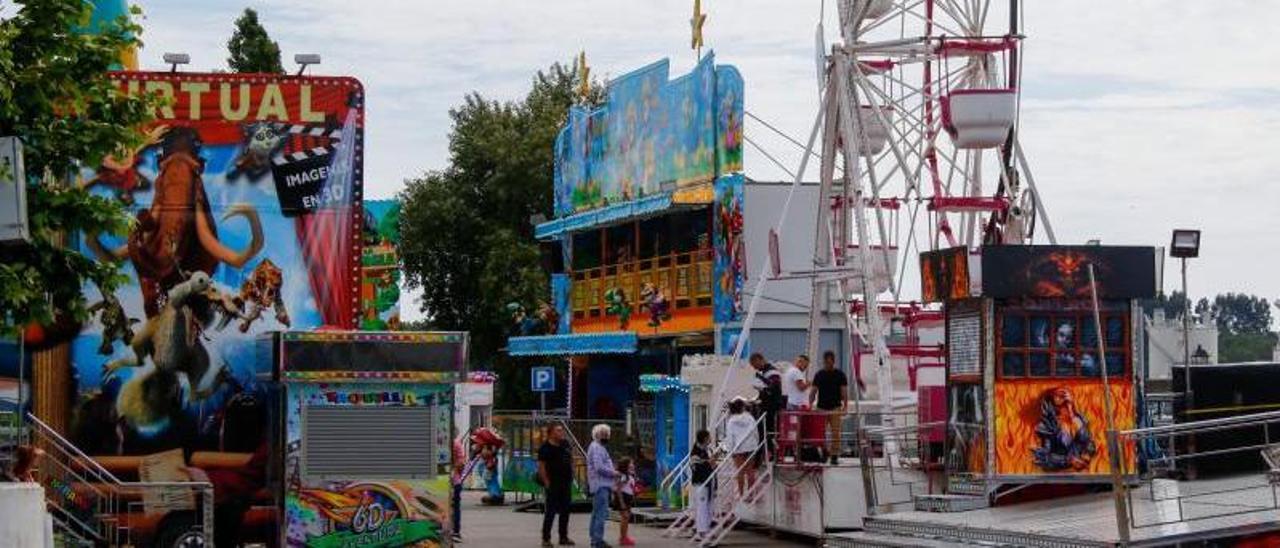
(626, 491)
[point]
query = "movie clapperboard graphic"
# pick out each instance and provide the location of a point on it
(302, 167)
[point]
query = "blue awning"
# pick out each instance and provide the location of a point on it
(603, 216)
(577, 344)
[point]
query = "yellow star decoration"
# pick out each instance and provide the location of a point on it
(584, 72)
(696, 23)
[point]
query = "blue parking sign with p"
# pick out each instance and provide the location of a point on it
(544, 379)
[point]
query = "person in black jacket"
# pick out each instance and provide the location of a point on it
(702, 464)
(768, 383)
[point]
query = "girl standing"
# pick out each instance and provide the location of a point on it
(626, 490)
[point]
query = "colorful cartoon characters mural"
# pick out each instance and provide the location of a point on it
(656, 300)
(729, 268)
(652, 130)
(159, 364)
(330, 513)
(616, 304)
(380, 289)
(546, 321)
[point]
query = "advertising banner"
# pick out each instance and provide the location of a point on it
(652, 135)
(1062, 271)
(729, 271)
(246, 198)
(944, 275)
(380, 268)
(350, 510)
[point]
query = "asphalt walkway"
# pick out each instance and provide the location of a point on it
(502, 527)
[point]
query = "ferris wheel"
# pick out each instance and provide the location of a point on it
(916, 136)
(936, 87)
(922, 102)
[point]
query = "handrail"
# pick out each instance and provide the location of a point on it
(682, 467)
(883, 431)
(1195, 426)
(63, 443)
(108, 494)
(636, 269)
(759, 443)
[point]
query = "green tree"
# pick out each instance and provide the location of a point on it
(1173, 304)
(1245, 347)
(56, 96)
(252, 50)
(1238, 313)
(466, 239)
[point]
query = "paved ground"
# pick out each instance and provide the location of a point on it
(501, 527)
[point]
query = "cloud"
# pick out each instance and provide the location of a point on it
(1138, 116)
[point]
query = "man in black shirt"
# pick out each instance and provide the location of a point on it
(555, 472)
(768, 383)
(831, 392)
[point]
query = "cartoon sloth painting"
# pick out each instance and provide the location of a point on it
(1065, 444)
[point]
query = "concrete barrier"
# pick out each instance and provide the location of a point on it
(23, 520)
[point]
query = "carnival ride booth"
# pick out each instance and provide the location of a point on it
(683, 405)
(368, 425)
(1033, 366)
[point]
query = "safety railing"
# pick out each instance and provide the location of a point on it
(90, 503)
(524, 433)
(685, 276)
(1248, 440)
(727, 494)
(675, 485)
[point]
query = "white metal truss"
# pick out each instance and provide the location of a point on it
(910, 113)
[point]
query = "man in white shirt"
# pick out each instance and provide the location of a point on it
(795, 384)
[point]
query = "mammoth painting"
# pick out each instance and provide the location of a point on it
(178, 232)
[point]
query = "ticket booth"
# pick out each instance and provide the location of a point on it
(368, 424)
(1025, 375)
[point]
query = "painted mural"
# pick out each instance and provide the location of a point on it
(1058, 426)
(354, 512)
(380, 272)
(652, 135)
(729, 271)
(246, 197)
(966, 430)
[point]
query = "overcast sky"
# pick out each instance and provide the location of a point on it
(1137, 116)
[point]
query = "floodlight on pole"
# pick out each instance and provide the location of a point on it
(304, 59)
(1185, 244)
(175, 59)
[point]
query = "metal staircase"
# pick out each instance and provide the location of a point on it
(91, 506)
(727, 503)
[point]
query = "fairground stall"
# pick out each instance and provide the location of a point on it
(247, 193)
(1027, 398)
(367, 426)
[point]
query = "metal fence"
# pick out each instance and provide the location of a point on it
(525, 432)
(1158, 501)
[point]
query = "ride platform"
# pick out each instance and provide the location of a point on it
(1203, 510)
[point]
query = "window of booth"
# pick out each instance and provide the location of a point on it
(1061, 344)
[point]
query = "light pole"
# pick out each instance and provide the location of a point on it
(1185, 245)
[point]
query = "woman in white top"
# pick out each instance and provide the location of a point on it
(742, 439)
